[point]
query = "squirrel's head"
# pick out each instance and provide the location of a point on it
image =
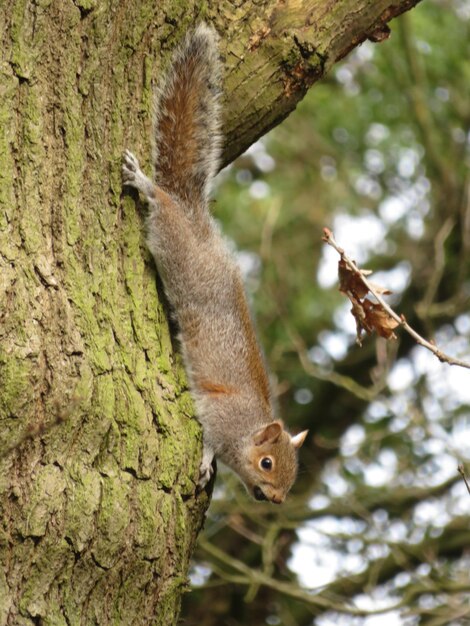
(270, 464)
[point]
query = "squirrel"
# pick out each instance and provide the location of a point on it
(225, 367)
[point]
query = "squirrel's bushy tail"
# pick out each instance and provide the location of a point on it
(187, 118)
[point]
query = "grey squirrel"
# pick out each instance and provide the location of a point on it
(223, 360)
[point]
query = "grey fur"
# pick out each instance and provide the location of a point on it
(223, 360)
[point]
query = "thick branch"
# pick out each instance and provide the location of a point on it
(274, 54)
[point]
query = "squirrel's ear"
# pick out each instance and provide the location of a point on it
(268, 434)
(298, 440)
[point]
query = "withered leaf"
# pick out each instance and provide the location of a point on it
(376, 318)
(369, 316)
(350, 282)
(359, 315)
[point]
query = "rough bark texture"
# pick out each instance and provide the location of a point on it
(281, 49)
(99, 447)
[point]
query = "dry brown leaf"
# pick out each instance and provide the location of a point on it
(350, 282)
(379, 320)
(369, 316)
(359, 315)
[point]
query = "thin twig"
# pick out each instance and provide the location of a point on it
(439, 266)
(340, 380)
(312, 597)
(400, 319)
(320, 600)
(461, 471)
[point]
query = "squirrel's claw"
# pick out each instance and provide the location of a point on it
(205, 474)
(130, 166)
(206, 469)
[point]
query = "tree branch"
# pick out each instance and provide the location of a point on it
(399, 319)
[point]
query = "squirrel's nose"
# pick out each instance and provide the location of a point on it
(277, 499)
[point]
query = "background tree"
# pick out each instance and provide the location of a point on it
(377, 532)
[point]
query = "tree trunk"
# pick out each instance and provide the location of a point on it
(98, 442)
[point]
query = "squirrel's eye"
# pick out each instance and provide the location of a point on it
(266, 463)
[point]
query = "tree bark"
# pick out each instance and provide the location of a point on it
(99, 445)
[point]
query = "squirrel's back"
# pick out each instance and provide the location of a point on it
(187, 119)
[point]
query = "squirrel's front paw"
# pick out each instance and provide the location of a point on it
(205, 474)
(206, 468)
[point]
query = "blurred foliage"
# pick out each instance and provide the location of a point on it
(378, 527)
